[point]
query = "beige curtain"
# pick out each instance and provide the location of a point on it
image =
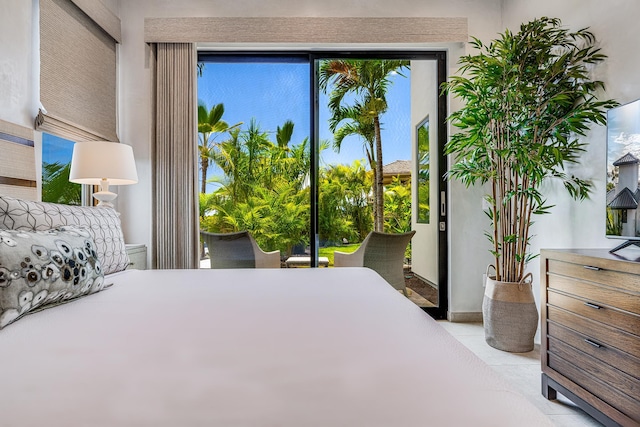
(174, 151)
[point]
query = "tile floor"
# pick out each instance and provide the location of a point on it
(522, 370)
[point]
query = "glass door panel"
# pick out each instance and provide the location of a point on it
(375, 138)
(254, 145)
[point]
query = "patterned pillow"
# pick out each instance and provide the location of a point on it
(40, 269)
(103, 224)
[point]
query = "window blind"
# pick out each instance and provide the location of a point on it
(78, 70)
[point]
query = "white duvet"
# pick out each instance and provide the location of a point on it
(291, 347)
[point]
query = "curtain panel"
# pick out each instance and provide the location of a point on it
(174, 153)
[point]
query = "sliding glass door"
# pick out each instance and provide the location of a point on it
(312, 151)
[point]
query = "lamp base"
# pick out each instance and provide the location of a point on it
(105, 198)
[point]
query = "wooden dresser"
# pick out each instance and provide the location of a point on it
(591, 332)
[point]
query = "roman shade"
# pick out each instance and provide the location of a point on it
(78, 70)
(306, 30)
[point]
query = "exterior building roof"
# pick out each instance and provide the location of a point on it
(399, 168)
(625, 199)
(627, 159)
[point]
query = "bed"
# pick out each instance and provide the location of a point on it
(290, 347)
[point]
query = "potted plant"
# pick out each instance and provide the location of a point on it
(528, 99)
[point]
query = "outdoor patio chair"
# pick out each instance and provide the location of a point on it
(381, 252)
(238, 250)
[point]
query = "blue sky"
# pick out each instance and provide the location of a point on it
(275, 92)
(56, 149)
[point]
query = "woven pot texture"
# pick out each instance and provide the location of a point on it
(510, 315)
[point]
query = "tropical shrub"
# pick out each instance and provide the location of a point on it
(397, 207)
(344, 209)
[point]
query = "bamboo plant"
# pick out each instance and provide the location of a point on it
(529, 98)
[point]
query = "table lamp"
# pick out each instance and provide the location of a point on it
(103, 163)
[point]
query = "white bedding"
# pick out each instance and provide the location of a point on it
(291, 347)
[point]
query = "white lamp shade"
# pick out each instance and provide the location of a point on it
(94, 161)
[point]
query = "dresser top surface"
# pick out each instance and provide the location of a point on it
(628, 258)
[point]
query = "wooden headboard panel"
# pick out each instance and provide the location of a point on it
(17, 162)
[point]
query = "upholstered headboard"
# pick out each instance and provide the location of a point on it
(18, 171)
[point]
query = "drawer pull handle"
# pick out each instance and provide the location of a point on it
(592, 305)
(591, 267)
(593, 343)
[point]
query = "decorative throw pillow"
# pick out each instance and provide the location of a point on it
(103, 224)
(40, 269)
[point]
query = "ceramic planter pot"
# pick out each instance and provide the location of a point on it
(510, 315)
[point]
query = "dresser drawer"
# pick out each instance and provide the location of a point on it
(569, 364)
(596, 311)
(586, 344)
(590, 345)
(598, 294)
(611, 278)
(596, 331)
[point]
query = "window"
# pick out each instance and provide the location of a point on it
(56, 164)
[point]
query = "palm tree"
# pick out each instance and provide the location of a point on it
(263, 187)
(291, 162)
(210, 125)
(368, 80)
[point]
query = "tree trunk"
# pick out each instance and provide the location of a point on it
(379, 194)
(372, 163)
(375, 194)
(204, 164)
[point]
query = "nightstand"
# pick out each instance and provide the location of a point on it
(137, 256)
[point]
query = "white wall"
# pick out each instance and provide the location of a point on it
(18, 72)
(571, 223)
(574, 224)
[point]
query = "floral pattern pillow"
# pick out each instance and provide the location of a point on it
(40, 269)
